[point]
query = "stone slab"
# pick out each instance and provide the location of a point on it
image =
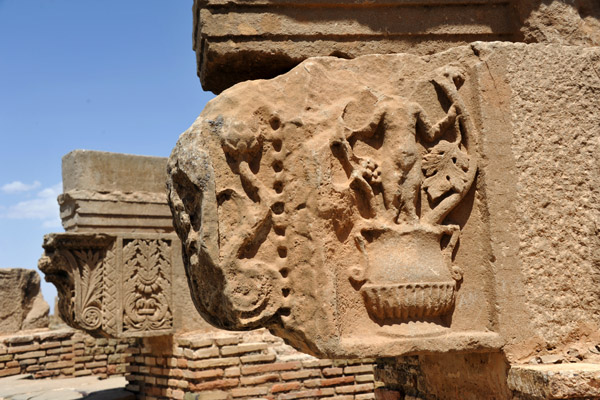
(556, 381)
(112, 192)
(237, 40)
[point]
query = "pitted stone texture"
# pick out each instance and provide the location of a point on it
(556, 147)
(22, 305)
(528, 227)
(237, 40)
(562, 381)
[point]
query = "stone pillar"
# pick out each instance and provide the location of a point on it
(118, 268)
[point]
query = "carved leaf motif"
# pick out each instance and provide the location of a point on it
(91, 267)
(445, 168)
(146, 305)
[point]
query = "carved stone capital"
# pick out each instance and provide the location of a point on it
(112, 285)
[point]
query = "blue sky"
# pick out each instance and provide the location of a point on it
(111, 75)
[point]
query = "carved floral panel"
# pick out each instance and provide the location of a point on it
(111, 285)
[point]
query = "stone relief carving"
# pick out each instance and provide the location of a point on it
(111, 285)
(147, 283)
(78, 272)
(403, 197)
(314, 209)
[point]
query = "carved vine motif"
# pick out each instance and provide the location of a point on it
(147, 296)
(420, 172)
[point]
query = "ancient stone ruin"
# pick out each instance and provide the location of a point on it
(22, 306)
(409, 188)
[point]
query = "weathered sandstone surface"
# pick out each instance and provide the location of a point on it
(238, 40)
(401, 204)
(22, 305)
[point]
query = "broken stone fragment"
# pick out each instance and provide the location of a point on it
(22, 305)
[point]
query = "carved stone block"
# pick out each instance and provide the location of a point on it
(238, 40)
(111, 192)
(379, 206)
(112, 285)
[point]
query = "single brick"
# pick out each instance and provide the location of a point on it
(213, 363)
(333, 371)
(203, 374)
(58, 350)
(242, 348)
(307, 394)
(82, 359)
(49, 345)
(249, 391)
(82, 372)
(174, 372)
(159, 371)
(365, 396)
(232, 372)
(342, 397)
(263, 368)
(216, 384)
(257, 358)
(10, 371)
(100, 357)
(178, 383)
(48, 359)
(181, 363)
(23, 349)
(19, 340)
(209, 395)
(150, 380)
(177, 394)
(67, 356)
(29, 361)
(205, 353)
(302, 374)
(285, 387)
(365, 387)
(95, 364)
(364, 378)
(199, 343)
(6, 357)
(260, 379)
(33, 368)
(149, 361)
(68, 371)
(337, 381)
(12, 364)
(46, 374)
(359, 369)
(227, 341)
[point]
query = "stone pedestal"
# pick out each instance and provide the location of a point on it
(118, 269)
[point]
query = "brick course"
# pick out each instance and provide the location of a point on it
(226, 366)
(60, 353)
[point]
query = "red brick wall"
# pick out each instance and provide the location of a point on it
(62, 353)
(241, 366)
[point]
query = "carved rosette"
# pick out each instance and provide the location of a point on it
(111, 285)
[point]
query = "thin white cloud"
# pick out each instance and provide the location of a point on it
(18, 187)
(43, 207)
